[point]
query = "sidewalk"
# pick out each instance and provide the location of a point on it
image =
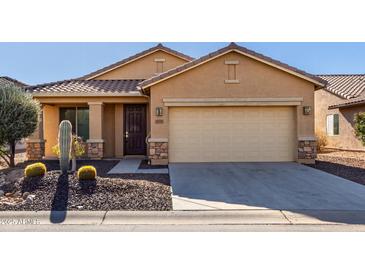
(222, 217)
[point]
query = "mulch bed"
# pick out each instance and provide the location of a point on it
(348, 168)
(58, 192)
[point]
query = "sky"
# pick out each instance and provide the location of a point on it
(36, 63)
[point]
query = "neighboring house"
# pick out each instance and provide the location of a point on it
(335, 107)
(230, 105)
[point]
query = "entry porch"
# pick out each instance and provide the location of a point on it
(110, 127)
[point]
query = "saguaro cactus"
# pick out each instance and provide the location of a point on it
(64, 143)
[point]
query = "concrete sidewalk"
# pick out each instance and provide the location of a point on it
(131, 166)
(221, 217)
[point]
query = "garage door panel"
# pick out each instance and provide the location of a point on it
(231, 134)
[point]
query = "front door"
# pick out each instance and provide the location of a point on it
(135, 129)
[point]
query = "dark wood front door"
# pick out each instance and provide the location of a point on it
(135, 127)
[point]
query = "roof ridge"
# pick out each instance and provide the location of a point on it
(159, 46)
(342, 74)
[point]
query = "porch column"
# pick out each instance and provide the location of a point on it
(95, 144)
(35, 143)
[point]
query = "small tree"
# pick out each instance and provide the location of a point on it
(18, 119)
(360, 126)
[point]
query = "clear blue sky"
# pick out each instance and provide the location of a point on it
(35, 63)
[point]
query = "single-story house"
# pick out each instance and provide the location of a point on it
(232, 105)
(335, 108)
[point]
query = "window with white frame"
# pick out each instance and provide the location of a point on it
(333, 126)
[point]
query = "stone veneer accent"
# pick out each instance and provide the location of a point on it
(35, 149)
(158, 152)
(95, 150)
(307, 150)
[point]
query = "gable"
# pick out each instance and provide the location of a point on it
(143, 67)
(317, 81)
(253, 79)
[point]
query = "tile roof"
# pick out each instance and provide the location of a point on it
(231, 46)
(5, 80)
(136, 56)
(87, 87)
(350, 103)
(345, 86)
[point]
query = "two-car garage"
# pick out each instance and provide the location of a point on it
(232, 134)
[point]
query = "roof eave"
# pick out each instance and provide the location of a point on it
(347, 105)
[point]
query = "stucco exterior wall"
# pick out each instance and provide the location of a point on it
(51, 120)
(256, 80)
(109, 130)
(346, 138)
(143, 68)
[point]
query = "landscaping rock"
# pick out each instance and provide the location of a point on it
(1, 193)
(63, 192)
(7, 186)
(25, 195)
(15, 175)
(29, 200)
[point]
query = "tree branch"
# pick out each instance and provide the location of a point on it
(2, 155)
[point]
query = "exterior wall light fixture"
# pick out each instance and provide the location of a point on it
(307, 110)
(159, 111)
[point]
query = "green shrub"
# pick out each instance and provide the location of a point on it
(37, 169)
(18, 119)
(86, 173)
(360, 126)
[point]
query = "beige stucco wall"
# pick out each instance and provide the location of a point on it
(256, 80)
(109, 130)
(50, 128)
(346, 139)
(119, 129)
(144, 67)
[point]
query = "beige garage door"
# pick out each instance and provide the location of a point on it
(231, 134)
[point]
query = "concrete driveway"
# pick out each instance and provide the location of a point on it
(283, 186)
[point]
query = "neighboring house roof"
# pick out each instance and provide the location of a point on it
(350, 103)
(319, 82)
(135, 57)
(87, 87)
(5, 80)
(346, 86)
(350, 87)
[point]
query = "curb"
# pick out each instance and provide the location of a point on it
(221, 217)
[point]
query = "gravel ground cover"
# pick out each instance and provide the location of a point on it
(348, 165)
(58, 192)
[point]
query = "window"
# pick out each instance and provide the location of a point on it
(79, 118)
(333, 126)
